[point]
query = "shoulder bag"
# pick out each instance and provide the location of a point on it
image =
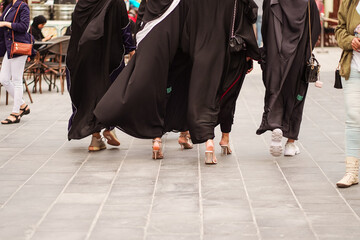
(236, 43)
(312, 70)
(18, 48)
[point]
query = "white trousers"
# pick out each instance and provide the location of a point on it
(11, 77)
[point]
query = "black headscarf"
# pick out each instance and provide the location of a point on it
(38, 20)
(35, 31)
(85, 10)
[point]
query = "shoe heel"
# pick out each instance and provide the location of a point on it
(209, 158)
(155, 154)
(224, 150)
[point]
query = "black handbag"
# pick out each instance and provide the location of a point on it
(338, 83)
(236, 43)
(312, 69)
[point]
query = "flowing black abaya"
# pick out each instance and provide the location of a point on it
(285, 32)
(100, 38)
(176, 75)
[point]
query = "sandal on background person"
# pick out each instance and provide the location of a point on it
(11, 121)
(25, 110)
(185, 140)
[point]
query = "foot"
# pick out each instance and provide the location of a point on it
(111, 137)
(348, 180)
(157, 149)
(24, 110)
(97, 143)
(13, 118)
(185, 140)
(291, 149)
(276, 145)
(224, 144)
(210, 157)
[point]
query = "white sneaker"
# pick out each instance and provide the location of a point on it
(291, 149)
(276, 145)
(96, 144)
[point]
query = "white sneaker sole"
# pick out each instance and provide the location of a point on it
(291, 154)
(276, 148)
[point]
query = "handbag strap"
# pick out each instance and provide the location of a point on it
(310, 29)
(234, 18)
(13, 38)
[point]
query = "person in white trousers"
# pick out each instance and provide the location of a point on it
(14, 25)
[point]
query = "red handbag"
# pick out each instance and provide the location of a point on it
(19, 48)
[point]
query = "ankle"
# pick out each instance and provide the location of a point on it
(97, 135)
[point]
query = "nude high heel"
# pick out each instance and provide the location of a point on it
(187, 144)
(157, 149)
(210, 157)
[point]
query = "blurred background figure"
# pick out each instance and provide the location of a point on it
(36, 27)
(259, 22)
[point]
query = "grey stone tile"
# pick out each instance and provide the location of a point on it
(46, 235)
(331, 219)
(72, 211)
(87, 188)
(82, 198)
(116, 233)
(230, 228)
(50, 179)
(66, 225)
(342, 232)
(289, 232)
(174, 223)
(222, 215)
(172, 237)
(93, 178)
(170, 204)
(231, 236)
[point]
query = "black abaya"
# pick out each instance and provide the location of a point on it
(285, 32)
(100, 38)
(188, 46)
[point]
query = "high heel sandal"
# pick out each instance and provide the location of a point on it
(187, 144)
(157, 149)
(24, 111)
(210, 158)
(9, 121)
(225, 150)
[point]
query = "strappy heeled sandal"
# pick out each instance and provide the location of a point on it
(9, 121)
(225, 149)
(157, 149)
(210, 158)
(24, 111)
(187, 144)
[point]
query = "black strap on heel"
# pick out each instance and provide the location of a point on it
(24, 111)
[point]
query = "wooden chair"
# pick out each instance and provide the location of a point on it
(57, 67)
(7, 96)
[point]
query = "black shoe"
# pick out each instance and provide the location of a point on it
(8, 121)
(24, 111)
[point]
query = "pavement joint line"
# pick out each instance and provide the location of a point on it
(201, 207)
(247, 195)
(22, 185)
(284, 177)
(298, 202)
(30, 236)
(27, 146)
(324, 133)
(97, 216)
(331, 183)
(148, 218)
(332, 115)
(14, 131)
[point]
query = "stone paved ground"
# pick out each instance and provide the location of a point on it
(53, 189)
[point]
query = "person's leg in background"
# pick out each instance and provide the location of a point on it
(11, 77)
(352, 131)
